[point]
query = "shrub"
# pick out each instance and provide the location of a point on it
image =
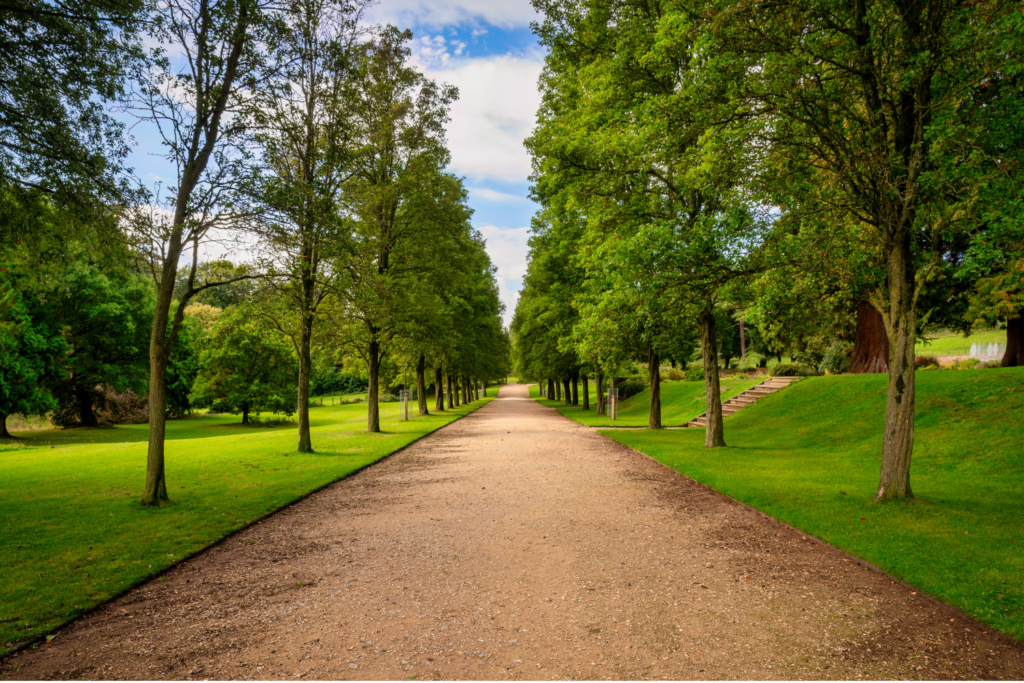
(631, 386)
(792, 370)
(926, 362)
(965, 364)
(672, 375)
(387, 398)
(990, 364)
(695, 374)
(835, 361)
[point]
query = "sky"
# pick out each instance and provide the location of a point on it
(486, 49)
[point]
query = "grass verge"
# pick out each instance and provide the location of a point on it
(680, 403)
(809, 456)
(74, 534)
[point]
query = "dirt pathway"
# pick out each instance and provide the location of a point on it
(515, 543)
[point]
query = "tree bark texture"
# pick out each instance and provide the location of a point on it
(901, 327)
(714, 433)
(871, 348)
(654, 379)
(438, 389)
(1014, 355)
(599, 380)
(373, 388)
(586, 393)
(305, 370)
(551, 389)
(421, 385)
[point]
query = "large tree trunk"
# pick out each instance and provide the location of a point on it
(901, 326)
(305, 370)
(4, 434)
(1013, 357)
(458, 389)
(551, 389)
(714, 433)
(586, 393)
(568, 390)
(575, 387)
(438, 389)
(156, 483)
(654, 378)
(451, 391)
(421, 385)
(871, 347)
(372, 392)
(558, 391)
(599, 381)
(85, 396)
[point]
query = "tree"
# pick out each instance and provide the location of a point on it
(246, 368)
(401, 202)
(868, 113)
(192, 101)
(310, 149)
(30, 351)
(63, 60)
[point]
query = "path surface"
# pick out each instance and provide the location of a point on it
(515, 543)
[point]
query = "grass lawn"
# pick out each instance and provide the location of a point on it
(953, 344)
(809, 456)
(74, 535)
(680, 403)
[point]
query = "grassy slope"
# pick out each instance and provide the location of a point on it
(809, 456)
(680, 403)
(73, 534)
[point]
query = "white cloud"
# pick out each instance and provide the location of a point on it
(506, 14)
(497, 197)
(496, 110)
(507, 248)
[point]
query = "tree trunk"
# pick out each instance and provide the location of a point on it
(84, 397)
(156, 482)
(568, 391)
(245, 413)
(714, 433)
(1014, 355)
(483, 389)
(575, 387)
(372, 392)
(871, 347)
(551, 389)
(4, 434)
(599, 380)
(901, 328)
(305, 370)
(451, 391)
(558, 391)
(438, 389)
(654, 378)
(458, 389)
(586, 393)
(613, 407)
(421, 385)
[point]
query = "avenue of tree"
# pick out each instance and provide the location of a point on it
(305, 143)
(824, 181)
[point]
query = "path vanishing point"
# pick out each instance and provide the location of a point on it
(515, 543)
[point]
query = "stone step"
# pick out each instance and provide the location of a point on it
(747, 398)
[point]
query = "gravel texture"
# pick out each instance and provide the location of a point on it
(516, 543)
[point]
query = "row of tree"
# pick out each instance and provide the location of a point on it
(297, 134)
(813, 172)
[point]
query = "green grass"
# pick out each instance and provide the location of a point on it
(809, 456)
(953, 344)
(73, 534)
(680, 403)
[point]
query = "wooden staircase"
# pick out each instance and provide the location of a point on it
(747, 398)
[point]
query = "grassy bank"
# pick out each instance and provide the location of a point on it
(680, 403)
(73, 534)
(809, 456)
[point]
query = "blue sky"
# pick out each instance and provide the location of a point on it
(486, 49)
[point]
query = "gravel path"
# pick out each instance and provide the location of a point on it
(515, 543)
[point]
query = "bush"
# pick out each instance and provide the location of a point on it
(387, 398)
(990, 364)
(672, 375)
(695, 374)
(965, 364)
(631, 386)
(926, 362)
(792, 370)
(836, 361)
